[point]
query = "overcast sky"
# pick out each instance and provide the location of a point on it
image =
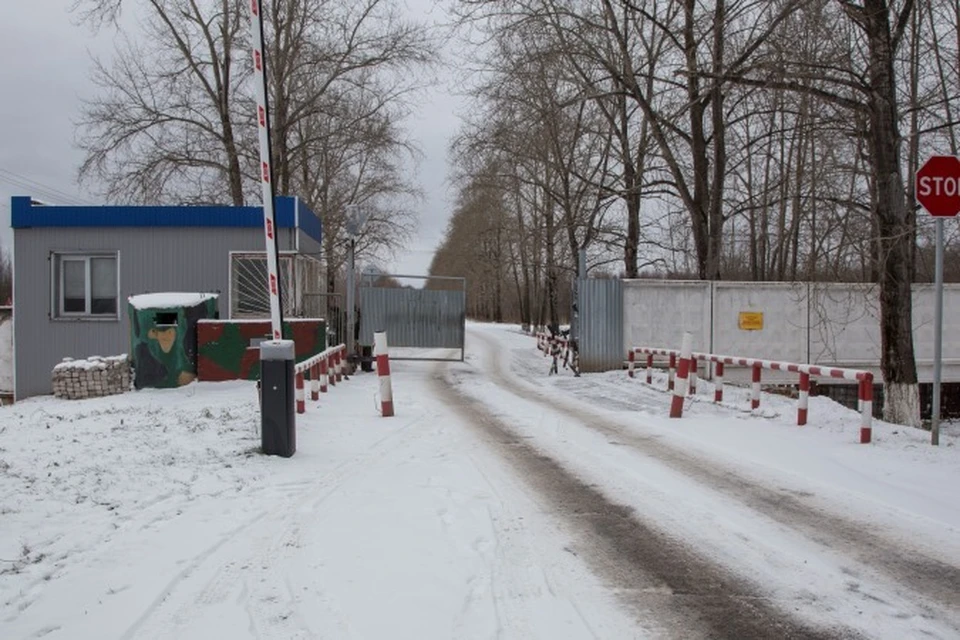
(48, 71)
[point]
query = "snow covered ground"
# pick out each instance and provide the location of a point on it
(499, 502)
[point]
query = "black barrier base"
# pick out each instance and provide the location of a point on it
(278, 417)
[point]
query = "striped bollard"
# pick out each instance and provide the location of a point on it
(301, 403)
(694, 365)
(331, 370)
(670, 371)
(718, 382)
(683, 370)
(324, 375)
(866, 408)
(338, 358)
(630, 362)
(755, 394)
(803, 399)
(649, 368)
(381, 352)
(315, 381)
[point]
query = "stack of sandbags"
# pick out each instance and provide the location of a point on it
(92, 377)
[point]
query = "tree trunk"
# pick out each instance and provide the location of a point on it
(897, 360)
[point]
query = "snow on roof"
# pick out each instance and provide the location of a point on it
(169, 300)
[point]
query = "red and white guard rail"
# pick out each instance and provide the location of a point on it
(864, 379)
(545, 340)
(325, 368)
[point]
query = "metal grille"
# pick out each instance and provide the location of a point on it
(600, 306)
(421, 319)
(248, 289)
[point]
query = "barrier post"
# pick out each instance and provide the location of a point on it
(670, 369)
(383, 371)
(718, 382)
(332, 369)
(338, 365)
(683, 370)
(755, 399)
(866, 408)
(693, 375)
(803, 399)
(315, 381)
(301, 403)
(630, 359)
(324, 375)
(649, 368)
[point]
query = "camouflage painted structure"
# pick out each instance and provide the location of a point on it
(163, 336)
(228, 349)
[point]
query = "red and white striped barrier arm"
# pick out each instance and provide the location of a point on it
(382, 354)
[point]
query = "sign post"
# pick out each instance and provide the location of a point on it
(938, 191)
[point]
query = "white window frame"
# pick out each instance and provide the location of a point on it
(58, 258)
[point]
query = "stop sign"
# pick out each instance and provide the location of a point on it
(938, 186)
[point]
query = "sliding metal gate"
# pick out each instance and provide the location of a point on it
(421, 324)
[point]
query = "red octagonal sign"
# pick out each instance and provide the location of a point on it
(938, 186)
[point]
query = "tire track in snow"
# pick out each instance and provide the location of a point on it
(927, 576)
(664, 582)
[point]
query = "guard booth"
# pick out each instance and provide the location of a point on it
(427, 322)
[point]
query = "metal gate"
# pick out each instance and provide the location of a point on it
(600, 320)
(421, 324)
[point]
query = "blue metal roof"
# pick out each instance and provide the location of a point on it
(289, 213)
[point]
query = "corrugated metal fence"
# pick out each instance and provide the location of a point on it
(600, 307)
(422, 318)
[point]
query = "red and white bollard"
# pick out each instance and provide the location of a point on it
(803, 399)
(866, 408)
(694, 365)
(755, 396)
(301, 403)
(718, 382)
(338, 359)
(671, 368)
(381, 352)
(683, 370)
(630, 362)
(331, 370)
(315, 381)
(324, 375)
(649, 368)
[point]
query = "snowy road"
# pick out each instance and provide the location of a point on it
(498, 503)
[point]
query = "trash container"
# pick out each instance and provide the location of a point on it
(163, 336)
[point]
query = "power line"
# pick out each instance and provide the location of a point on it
(40, 189)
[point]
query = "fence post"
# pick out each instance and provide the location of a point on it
(301, 403)
(630, 359)
(315, 381)
(670, 369)
(324, 375)
(331, 370)
(693, 375)
(649, 368)
(383, 371)
(683, 370)
(866, 408)
(718, 382)
(755, 399)
(338, 366)
(803, 399)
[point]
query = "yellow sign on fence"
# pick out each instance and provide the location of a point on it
(751, 320)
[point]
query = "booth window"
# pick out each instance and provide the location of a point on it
(85, 285)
